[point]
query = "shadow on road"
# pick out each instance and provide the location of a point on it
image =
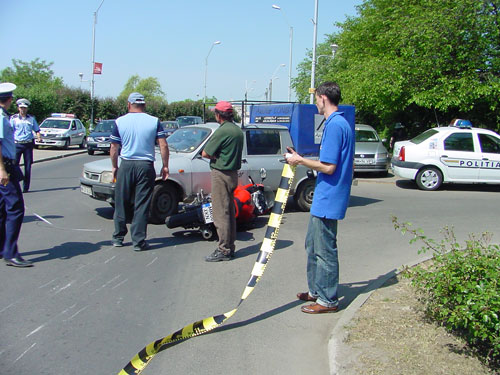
(349, 291)
(355, 201)
(66, 250)
(411, 185)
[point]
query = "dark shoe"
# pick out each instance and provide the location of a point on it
(217, 256)
(316, 308)
(117, 243)
(306, 297)
(18, 262)
(143, 246)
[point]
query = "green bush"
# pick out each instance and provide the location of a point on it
(460, 288)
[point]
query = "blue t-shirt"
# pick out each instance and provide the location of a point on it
(137, 133)
(331, 194)
(24, 127)
(7, 136)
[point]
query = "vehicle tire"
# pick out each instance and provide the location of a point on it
(84, 143)
(164, 203)
(90, 152)
(429, 178)
(304, 194)
(66, 144)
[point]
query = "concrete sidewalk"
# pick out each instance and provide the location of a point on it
(45, 154)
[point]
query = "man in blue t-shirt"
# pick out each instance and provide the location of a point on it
(137, 133)
(330, 201)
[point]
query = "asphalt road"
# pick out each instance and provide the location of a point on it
(88, 308)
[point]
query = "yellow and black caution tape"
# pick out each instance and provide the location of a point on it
(141, 359)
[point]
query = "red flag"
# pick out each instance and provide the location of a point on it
(97, 68)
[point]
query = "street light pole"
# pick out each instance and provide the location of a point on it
(290, 58)
(93, 64)
(271, 81)
(206, 68)
(313, 65)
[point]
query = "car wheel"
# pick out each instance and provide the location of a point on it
(304, 195)
(90, 152)
(84, 143)
(164, 203)
(429, 178)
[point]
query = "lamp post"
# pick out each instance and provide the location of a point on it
(334, 48)
(271, 81)
(313, 65)
(290, 58)
(206, 68)
(93, 64)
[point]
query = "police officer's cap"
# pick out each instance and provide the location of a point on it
(6, 89)
(23, 103)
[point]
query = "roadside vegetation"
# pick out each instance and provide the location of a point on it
(47, 93)
(459, 288)
(421, 63)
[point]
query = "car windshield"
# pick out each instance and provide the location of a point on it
(422, 137)
(55, 124)
(187, 139)
(169, 125)
(104, 127)
(186, 120)
(366, 136)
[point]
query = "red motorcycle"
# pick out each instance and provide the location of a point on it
(250, 201)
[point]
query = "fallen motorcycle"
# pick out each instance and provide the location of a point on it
(250, 201)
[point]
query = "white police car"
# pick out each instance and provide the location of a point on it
(459, 153)
(62, 130)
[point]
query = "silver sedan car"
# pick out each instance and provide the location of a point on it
(370, 154)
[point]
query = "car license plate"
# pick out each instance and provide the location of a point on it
(103, 145)
(86, 189)
(207, 213)
(364, 161)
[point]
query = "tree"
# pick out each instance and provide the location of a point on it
(423, 60)
(35, 81)
(149, 87)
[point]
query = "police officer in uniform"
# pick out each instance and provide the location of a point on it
(11, 196)
(24, 126)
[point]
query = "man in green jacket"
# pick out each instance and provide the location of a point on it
(224, 151)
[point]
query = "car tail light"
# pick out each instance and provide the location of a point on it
(402, 153)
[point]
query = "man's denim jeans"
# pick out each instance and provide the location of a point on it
(322, 260)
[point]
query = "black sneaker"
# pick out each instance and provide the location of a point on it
(141, 247)
(217, 256)
(117, 243)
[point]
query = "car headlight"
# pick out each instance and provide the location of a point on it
(382, 156)
(107, 177)
(60, 135)
(90, 139)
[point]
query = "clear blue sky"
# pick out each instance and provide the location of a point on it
(169, 40)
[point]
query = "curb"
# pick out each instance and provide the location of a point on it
(340, 332)
(60, 156)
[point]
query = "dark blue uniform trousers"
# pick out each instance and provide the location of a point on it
(135, 182)
(26, 150)
(11, 216)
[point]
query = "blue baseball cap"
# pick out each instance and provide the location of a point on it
(136, 98)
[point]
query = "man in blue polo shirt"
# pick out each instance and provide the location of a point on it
(137, 133)
(330, 201)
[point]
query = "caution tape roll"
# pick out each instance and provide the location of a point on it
(141, 359)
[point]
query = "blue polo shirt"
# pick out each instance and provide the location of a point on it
(137, 133)
(7, 136)
(24, 127)
(331, 194)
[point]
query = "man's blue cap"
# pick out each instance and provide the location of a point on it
(6, 89)
(136, 98)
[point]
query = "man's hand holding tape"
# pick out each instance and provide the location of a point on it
(293, 158)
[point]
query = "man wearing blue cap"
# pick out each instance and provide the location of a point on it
(11, 196)
(137, 133)
(24, 126)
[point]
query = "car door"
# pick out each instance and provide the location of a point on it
(459, 157)
(73, 133)
(81, 131)
(490, 153)
(263, 152)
